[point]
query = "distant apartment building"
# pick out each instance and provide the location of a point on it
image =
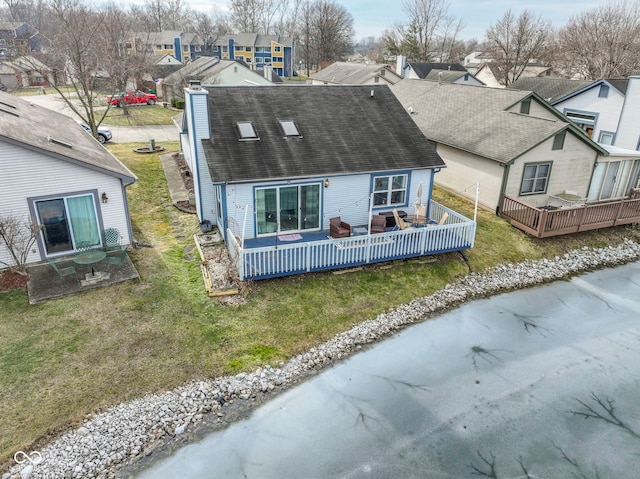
(183, 46)
(258, 51)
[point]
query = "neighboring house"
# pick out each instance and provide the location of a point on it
(510, 142)
(351, 73)
(420, 71)
(490, 73)
(274, 164)
(56, 175)
(211, 71)
(19, 38)
(453, 76)
(259, 51)
(608, 109)
(181, 45)
(474, 60)
(25, 71)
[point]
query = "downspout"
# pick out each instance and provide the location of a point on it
(503, 186)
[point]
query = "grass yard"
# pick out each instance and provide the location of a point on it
(140, 115)
(69, 357)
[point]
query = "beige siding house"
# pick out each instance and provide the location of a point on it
(510, 142)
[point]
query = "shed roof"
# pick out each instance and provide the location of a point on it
(57, 135)
(345, 129)
(423, 69)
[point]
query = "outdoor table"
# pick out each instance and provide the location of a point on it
(417, 220)
(90, 257)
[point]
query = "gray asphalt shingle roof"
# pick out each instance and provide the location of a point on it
(36, 127)
(423, 69)
(474, 118)
(550, 89)
(354, 73)
(344, 130)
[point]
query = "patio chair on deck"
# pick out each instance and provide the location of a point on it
(63, 272)
(378, 224)
(400, 222)
(338, 228)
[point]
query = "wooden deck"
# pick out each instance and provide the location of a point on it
(543, 223)
(318, 252)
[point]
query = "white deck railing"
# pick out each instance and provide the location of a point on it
(458, 233)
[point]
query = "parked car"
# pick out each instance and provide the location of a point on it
(132, 98)
(104, 132)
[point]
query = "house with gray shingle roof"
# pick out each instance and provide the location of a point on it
(510, 142)
(56, 175)
(351, 73)
(275, 164)
(259, 52)
(210, 71)
(605, 109)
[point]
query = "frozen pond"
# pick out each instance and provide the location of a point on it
(541, 383)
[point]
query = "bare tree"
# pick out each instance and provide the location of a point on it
(256, 16)
(516, 42)
(428, 35)
(18, 235)
(603, 42)
(332, 32)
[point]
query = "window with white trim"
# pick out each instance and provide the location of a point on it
(390, 190)
(535, 178)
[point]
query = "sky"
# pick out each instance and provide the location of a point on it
(371, 17)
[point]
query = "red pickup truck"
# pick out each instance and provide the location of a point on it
(132, 98)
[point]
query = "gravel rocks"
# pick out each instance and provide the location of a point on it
(107, 441)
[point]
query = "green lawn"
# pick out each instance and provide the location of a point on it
(66, 358)
(140, 115)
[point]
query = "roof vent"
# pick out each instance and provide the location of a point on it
(410, 110)
(59, 142)
(372, 92)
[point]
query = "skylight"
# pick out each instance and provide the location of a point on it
(59, 142)
(289, 128)
(246, 131)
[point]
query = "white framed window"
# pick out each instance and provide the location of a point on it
(259, 49)
(535, 178)
(246, 130)
(604, 91)
(267, 61)
(606, 137)
(390, 190)
(277, 59)
(287, 208)
(277, 48)
(259, 60)
(239, 48)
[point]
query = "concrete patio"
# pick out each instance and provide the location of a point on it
(45, 284)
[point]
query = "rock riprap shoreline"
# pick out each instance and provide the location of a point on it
(109, 440)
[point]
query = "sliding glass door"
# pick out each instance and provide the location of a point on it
(68, 222)
(288, 208)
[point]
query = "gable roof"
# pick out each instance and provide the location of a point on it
(475, 118)
(551, 89)
(447, 75)
(344, 130)
(253, 39)
(352, 73)
(423, 69)
(192, 70)
(35, 127)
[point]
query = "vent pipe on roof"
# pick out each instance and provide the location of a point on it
(439, 78)
(372, 91)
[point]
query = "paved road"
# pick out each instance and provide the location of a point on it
(541, 383)
(121, 134)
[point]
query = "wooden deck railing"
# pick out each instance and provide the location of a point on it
(458, 233)
(543, 223)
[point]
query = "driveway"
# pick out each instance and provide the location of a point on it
(121, 134)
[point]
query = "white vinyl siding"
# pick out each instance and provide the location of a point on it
(39, 175)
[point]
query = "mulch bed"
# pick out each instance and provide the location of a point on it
(10, 280)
